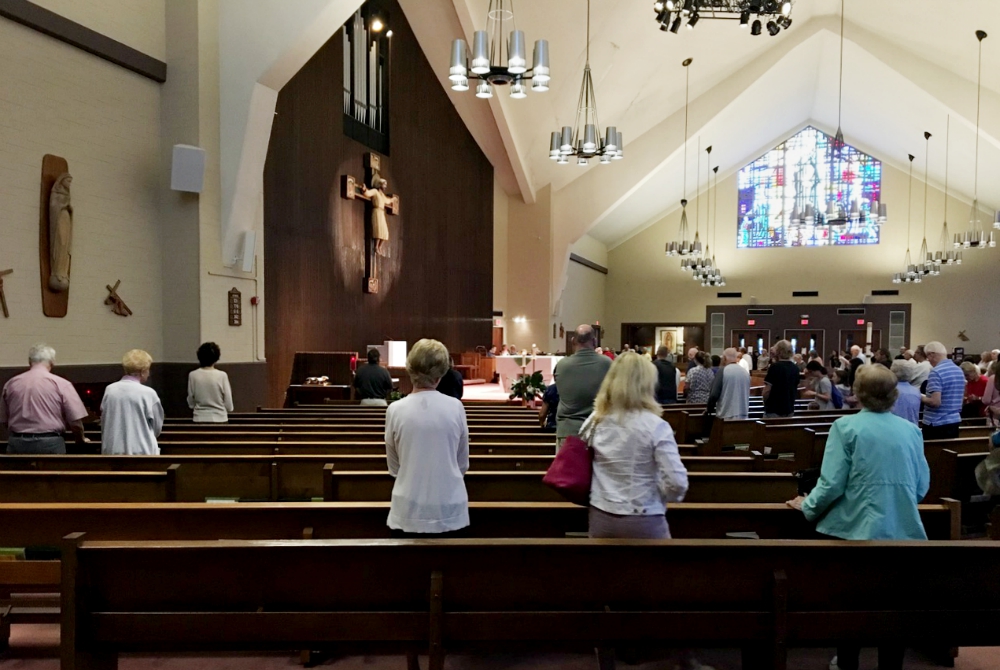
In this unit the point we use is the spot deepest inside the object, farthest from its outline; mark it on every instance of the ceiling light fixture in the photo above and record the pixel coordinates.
(975, 237)
(487, 58)
(584, 140)
(946, 256)
(713, 275)
(926, 265)
(909, 275)
(777, 15)
(682, 247)
(697, 261)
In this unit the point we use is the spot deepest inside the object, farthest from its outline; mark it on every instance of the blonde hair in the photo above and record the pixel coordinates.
(970, 368)
(136, 362)
(875, 388)
(427, 362)
(629, 385)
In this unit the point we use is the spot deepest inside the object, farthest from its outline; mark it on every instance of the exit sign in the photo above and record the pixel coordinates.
(751, 322)
(861, 322)
(804, 322)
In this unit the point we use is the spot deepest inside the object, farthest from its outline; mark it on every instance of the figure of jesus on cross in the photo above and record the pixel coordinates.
(381, 204)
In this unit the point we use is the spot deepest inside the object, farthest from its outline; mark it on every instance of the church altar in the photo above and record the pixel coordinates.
(511, 367)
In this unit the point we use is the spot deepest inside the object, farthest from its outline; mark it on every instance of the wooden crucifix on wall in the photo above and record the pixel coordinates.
(373, 189)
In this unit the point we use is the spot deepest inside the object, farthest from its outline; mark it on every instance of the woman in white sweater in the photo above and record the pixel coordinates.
(427, 449)
(209, 394)
(131, 413)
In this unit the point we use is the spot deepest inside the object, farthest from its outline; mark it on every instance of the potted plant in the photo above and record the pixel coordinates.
(527, 387)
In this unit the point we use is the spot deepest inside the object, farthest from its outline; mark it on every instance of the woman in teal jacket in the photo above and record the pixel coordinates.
(873, 476)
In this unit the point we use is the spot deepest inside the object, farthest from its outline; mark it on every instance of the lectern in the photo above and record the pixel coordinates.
(338, 366)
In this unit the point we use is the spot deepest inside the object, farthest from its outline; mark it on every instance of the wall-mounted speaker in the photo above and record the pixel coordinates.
(249, 251)
(187, 171)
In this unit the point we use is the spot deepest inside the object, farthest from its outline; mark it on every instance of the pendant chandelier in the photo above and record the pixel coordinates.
(712, 275)
(683, 247)
(584, 139)
(975, 237)
(946, 256)
(926, 265)
(671, 13)
(909, 275)
(487, 64)
(696, 262)
(839, 218)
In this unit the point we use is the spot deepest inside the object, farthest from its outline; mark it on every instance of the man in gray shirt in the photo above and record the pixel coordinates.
(579, 377)
(730, 395)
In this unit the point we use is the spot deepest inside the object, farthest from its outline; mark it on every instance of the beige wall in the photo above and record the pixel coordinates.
(106, 122)
(644, 285)
(137, 23)
(583, 298)
(529, 264)
(117, 130)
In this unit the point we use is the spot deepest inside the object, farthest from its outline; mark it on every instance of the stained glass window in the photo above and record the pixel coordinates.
(807, 191)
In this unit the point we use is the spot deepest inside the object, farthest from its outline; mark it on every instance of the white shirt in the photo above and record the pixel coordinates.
(921, 371)
(427, 448)
(209, 395)
(131, 418)
(746, 362)
(637, 467)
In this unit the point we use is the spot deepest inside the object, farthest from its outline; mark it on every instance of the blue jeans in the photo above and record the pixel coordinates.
(54, 444)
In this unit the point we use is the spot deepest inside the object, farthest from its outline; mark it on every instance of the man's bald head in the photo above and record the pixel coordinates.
(585, 337)
(691, 352)
(730, 355)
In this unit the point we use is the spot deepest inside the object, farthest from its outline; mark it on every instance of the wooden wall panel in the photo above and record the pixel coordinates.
(438, 281)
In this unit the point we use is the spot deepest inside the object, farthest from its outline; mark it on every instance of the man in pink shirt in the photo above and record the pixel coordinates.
(38, 407)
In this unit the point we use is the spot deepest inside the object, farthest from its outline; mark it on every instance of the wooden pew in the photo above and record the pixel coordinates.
(43, 524)
(288, 477)
(956, 475)
(730, 487)
(88, 486)
(27, 578)
(484, 596)
(532, 436)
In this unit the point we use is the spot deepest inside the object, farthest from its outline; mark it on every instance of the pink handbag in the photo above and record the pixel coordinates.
(571, 471)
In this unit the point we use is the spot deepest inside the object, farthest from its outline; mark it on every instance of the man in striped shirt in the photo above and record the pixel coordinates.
(943, 399)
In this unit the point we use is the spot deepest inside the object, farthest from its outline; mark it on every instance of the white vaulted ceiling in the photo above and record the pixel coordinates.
(907, 65)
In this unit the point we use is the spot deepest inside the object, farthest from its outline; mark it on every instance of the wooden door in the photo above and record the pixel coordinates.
(753, 339)
(849, 338)
(809, 339)
(498, 337)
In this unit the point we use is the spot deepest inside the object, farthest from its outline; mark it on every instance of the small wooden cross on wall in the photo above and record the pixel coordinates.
(353, 189)
(118, 305)
(3, 298)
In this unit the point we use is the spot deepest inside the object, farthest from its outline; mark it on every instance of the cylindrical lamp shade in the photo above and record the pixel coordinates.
(481, 52)
(540, 61)
(582, 161)
(554, 144)
(517, 62)
(605, 159)
(567, 140)
(996, 220)
(540, 86)
(457, 70)
(518, 90)
(484, 90)
(589, 138)
(611, 139)
(883, 211)
(461, 84)
(620, 150)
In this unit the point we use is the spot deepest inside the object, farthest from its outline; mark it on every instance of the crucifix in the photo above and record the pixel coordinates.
(3, 298)
(373, 189)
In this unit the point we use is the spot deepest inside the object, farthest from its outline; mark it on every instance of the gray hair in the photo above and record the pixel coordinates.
(935, 348)
(41, 353)
(427, 363)
(730, 354)
(903, 369)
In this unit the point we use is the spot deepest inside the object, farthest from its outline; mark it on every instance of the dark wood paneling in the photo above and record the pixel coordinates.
(49, 23)
(821, 318)
(438, 280)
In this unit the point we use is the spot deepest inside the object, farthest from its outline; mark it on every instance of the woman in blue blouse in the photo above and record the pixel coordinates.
(873, 476)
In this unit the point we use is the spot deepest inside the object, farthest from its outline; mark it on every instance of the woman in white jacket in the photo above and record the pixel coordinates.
(637, 466)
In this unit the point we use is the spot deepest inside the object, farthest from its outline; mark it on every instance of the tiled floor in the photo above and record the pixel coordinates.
(34, 648)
